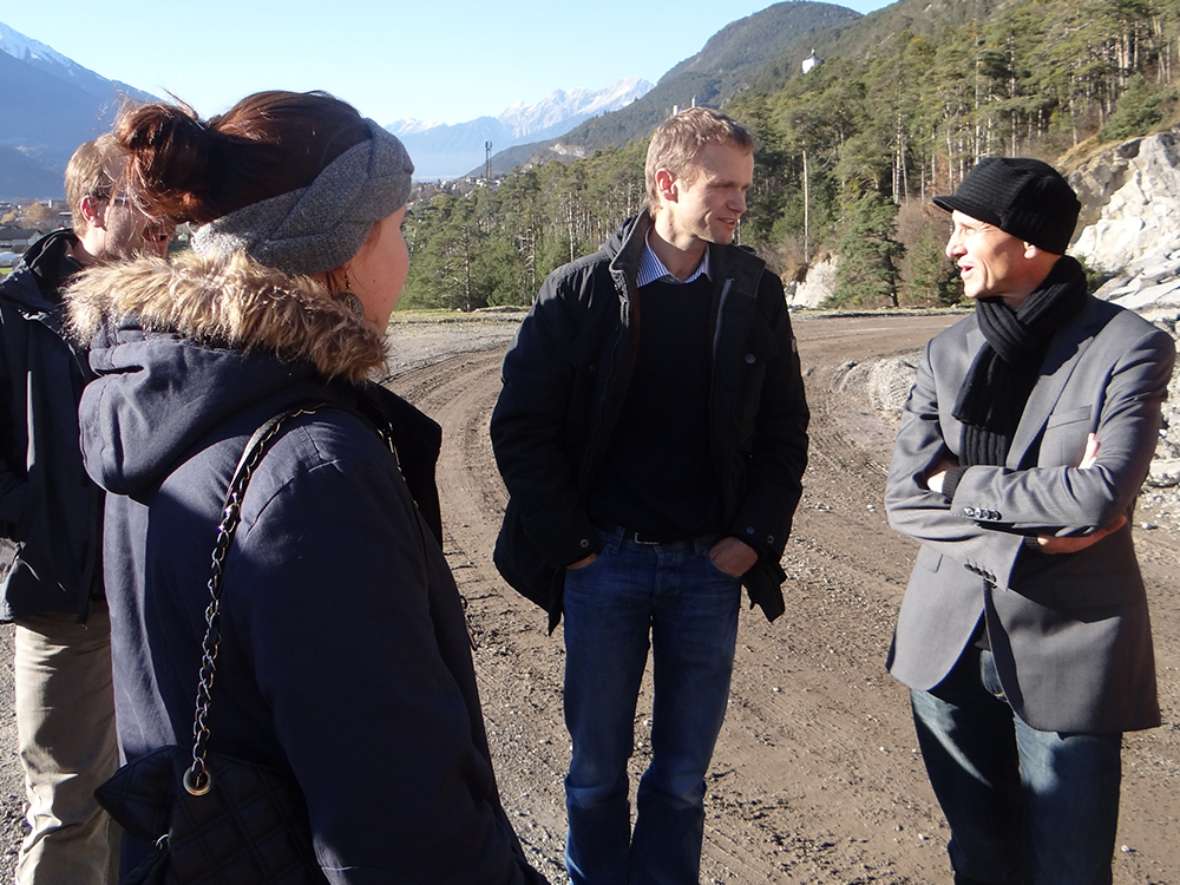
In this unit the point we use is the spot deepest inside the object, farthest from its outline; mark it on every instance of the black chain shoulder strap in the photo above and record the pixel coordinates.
(197, 779)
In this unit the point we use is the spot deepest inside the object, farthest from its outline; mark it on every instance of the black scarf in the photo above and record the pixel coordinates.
(1001, 378)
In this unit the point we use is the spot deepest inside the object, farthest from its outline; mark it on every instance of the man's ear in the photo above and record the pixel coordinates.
(92, 210)
(666, 185)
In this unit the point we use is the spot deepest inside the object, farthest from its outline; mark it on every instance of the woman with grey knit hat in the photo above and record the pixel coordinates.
(339, 647)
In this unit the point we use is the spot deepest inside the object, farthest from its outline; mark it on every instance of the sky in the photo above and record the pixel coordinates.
(438, 60)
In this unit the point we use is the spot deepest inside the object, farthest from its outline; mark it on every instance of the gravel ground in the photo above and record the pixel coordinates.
(816, 778)
(417, 340)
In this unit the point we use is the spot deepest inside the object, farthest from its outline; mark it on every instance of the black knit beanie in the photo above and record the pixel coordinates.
(1021, 196)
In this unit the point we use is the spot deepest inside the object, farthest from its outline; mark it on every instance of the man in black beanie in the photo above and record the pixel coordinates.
(1024, 634)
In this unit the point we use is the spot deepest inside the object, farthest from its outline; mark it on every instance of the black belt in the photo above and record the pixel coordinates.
(637, 537)
(647, 540)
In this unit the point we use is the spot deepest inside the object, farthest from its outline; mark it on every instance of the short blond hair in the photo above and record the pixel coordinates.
(91, 172)
(679, 140)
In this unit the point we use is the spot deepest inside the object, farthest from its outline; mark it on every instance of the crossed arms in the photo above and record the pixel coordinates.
(1066, 508)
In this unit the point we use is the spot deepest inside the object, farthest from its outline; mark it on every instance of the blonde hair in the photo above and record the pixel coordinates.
(679, 140)
(91, 172)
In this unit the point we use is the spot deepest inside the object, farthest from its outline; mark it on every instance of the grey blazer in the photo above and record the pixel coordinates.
(1070, 632)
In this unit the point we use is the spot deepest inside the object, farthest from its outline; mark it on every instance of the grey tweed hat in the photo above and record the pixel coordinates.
(318, 227)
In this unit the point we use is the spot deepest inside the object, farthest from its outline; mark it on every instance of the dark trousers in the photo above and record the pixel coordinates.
(1024, 806)
(672, 598)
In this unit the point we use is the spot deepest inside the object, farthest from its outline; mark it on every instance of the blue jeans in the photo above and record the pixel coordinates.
(674, 598)
(1024, 806)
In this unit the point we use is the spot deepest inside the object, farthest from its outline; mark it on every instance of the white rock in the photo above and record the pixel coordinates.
(818, 286)
(1159, 272)
(1161, 295)
(1118, 285)
(1130, 196)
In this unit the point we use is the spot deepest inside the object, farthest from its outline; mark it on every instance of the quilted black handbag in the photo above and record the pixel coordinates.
(215, 818)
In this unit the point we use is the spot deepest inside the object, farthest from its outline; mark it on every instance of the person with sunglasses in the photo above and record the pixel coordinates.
(51, 515)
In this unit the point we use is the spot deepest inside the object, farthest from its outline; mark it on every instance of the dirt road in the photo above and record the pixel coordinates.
(816, 777)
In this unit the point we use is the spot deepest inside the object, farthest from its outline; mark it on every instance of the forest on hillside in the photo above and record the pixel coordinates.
(848, 155)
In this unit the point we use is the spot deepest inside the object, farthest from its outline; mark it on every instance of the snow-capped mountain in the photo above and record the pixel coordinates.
(413, 126)
(24, 48)
(448, 150)
(47, 59)
(51, 105)
(561, 106)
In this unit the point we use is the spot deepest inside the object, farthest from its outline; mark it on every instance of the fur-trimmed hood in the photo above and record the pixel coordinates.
(184, 349)
(235, 302)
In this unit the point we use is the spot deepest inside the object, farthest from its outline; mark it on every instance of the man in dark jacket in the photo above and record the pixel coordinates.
(652, 435)
(52, 512)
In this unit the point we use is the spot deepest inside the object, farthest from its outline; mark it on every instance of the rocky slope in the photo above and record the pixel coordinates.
(1131, 196)
(817, 286)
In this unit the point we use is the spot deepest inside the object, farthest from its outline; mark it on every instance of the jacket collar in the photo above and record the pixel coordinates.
(626, 248)
(232, 301)
(1065, 351)
(1066, 348)
(46, 266)
(740, 264)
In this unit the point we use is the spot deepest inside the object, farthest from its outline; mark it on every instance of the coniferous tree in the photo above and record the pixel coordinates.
(840, 149)
(929, 276)
(867, 272)
(1139, 109)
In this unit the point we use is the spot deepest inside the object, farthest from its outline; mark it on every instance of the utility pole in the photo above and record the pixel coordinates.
(487, 160)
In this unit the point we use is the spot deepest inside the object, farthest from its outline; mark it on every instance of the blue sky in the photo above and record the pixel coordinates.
(435, 60)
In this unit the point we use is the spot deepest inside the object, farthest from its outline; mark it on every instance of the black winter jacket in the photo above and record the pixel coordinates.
(565, 381)
(344, 652)
(48, 506)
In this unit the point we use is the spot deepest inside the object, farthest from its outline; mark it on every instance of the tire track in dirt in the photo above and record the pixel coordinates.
(816, 776)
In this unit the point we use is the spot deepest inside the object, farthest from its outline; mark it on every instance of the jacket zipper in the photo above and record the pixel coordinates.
(720, 317)
(43, 318)
(604, 398)
(714, 440)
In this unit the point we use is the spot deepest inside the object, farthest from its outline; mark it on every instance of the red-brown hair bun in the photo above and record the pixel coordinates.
(168, 158)
(269, 143)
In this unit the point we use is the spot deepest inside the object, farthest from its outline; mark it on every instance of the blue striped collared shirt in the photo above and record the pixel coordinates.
(651, 269)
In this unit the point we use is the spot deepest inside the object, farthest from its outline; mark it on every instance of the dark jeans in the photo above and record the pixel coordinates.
(672, 596)
(1024, 806)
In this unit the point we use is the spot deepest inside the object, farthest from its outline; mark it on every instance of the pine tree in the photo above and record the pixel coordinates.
(928, 276)
(842, 149)
(867, 273)
(1140, 108)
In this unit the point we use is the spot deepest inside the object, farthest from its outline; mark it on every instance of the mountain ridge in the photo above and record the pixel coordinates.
(52, 104)
(446, 150)
(724, 65)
